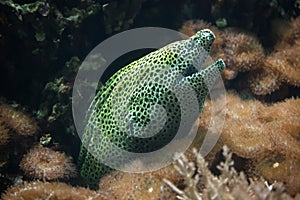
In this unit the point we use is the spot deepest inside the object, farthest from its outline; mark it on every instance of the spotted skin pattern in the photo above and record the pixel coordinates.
(139, 107)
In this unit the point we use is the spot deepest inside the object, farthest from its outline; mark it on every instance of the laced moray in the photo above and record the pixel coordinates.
(122, 110)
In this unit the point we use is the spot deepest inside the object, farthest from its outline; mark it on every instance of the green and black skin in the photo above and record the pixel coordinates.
(121, 109)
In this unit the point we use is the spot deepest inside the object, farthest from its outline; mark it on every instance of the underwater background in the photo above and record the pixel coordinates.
(43, 43)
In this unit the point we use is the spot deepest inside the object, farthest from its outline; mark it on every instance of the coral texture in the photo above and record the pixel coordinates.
(264, 81)
(127, 186)
(17, 120)
(46, 164)
(280, 168)
(282, 65)
(4, 136)
(290, 35)
(200, 183)
(254, 130)
(263, 133)
(54, 191)
(240, 51)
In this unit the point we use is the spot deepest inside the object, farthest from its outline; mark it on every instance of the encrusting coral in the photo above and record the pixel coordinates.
(53, 191)
(17, 120)
(200, 183)
(46, 164)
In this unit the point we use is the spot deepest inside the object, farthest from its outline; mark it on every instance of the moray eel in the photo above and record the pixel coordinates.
(122, 111)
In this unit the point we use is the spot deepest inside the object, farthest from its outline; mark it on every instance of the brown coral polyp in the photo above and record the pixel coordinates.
(46, 164)
(17, 120)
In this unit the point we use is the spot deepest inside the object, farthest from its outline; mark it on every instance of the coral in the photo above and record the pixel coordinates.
(17, 120)
(4, 136)
(129, 186)
(53, 191)
(264, 81)
(282, 65)
(280, 168)
(290, 35)
(266, 134)
(240, 51)
(242, 128)
(46, 164)
(254, 130)
(4, 139)
(286, 63)
(15, 125)
(200, 183)
(145, 185)
(279, 67)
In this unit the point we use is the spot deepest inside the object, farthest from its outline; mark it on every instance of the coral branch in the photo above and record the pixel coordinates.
(229, 185)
